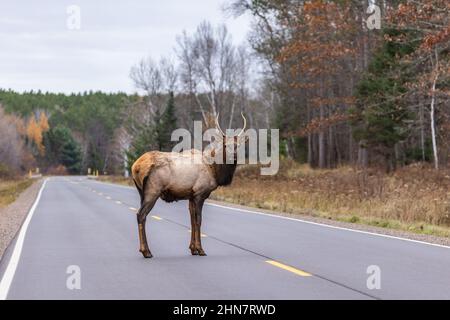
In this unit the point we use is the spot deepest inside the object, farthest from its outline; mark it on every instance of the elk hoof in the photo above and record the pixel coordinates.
(194, 251)
(147, 254)
(198, 252)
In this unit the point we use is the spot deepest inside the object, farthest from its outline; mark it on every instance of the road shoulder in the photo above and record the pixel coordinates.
(346, 225)
(12, 216)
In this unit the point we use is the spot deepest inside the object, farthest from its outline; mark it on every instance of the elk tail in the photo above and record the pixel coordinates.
(141, 192)
(141, 189)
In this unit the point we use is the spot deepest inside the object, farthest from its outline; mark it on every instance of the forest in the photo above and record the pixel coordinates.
(341, 92)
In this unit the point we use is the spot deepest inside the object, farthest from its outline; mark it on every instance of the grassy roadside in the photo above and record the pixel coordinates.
(414, 199)
(11, 189)
(414, 227)
(117, 180)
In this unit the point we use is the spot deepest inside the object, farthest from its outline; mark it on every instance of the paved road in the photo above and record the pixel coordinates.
(92, 225)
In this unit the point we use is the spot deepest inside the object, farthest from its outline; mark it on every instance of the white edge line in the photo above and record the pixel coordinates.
(8, 276)
(328, 226)
(308, 222)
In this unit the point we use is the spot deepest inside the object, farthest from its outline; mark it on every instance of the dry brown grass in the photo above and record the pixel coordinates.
(116, 179)
(415, 198)
(11, 189)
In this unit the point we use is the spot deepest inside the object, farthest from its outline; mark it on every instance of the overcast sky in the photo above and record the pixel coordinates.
(39, 51)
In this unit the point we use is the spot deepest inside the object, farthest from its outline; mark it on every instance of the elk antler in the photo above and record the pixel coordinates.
(218, 126)
(245, 125)
(221, 131)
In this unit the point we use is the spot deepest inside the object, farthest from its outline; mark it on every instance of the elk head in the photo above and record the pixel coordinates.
(230, 144)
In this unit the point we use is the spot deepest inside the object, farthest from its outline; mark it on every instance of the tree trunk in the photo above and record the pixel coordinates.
(433, 121)
(310, 150)
(322, 154)
(331, 146)
(350, 147)
(422, 132)
(363, 159)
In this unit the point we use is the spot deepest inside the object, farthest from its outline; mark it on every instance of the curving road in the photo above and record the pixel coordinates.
(80, 241)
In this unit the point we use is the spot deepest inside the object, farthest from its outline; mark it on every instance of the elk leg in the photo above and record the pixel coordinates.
(141, 219)
(192, 247)
(198, 224)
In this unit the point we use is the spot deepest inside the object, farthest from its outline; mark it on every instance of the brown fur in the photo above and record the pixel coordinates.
(143, 166)
(176, 176)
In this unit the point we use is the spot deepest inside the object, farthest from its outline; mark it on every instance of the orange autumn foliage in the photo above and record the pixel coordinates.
(35, 130)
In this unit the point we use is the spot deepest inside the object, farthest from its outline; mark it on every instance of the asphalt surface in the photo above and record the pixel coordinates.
(92, 226)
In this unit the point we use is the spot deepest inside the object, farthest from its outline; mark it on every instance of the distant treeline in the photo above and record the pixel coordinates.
(57, 132)
(61, 134)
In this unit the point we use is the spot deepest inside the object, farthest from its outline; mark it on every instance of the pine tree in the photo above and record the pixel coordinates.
(168, 124)
(71, 156)
(62, 149)
(158, 130)
(156, 136)
(381, 117)
(141, 144)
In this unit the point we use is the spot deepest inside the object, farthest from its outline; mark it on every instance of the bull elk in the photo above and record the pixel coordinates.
(174, 176)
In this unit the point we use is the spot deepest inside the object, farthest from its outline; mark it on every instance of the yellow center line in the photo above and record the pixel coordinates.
(289, 268)
(157, 218)
(133, 209)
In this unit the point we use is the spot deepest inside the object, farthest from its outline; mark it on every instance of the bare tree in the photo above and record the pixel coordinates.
(433, 112)
(241, 83)
(155, 79)
(208, 68)
(11, 150)
(146, 76)
(169, 74)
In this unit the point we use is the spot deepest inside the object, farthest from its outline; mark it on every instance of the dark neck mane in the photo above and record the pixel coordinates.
(223, 173)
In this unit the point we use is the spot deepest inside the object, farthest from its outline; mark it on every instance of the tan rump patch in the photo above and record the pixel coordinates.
(142, 167)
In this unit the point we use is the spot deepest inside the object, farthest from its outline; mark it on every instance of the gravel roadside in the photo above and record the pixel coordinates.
(340, 224)
(12, 216)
